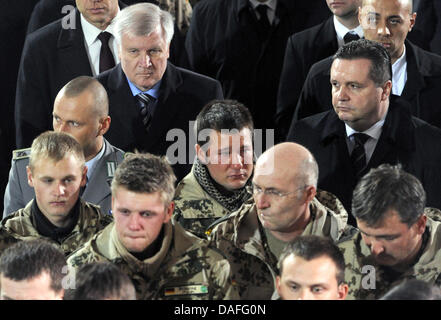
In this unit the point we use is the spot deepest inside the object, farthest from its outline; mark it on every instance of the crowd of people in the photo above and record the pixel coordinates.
(225, 150)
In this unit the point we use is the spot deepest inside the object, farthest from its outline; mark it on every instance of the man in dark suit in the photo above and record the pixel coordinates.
(47, 11)
(416, 73)
(14, 17)
(367, 127)
(309, 46)
(54, 55)
(81, 109)
(151, 101)
(242, 43)
(427, 30)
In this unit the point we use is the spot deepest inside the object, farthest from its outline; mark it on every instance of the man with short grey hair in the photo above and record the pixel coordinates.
(148, 95)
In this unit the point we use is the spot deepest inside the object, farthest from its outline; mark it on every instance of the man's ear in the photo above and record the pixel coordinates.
(310, 193)
(84, 176)
(412, 21)
(169, 212)
(387, 89)
(342, 291)
(421, 224)
(104, 125)
(29, 175)
(278, 285)
(200, 153)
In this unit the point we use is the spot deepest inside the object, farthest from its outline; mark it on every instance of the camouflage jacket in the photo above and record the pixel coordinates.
(195, 209)
(241, 238)
(181, 11)
(20, 226)
(366, 280)
(184, 268)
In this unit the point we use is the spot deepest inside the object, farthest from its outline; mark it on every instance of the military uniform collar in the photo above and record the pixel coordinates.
(45, 228)
(149, 266)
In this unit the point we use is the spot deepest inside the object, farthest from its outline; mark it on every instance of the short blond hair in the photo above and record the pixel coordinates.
(55, 146)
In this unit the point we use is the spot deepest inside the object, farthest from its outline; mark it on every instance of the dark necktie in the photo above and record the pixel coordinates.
(145, 104)
(106, 57)
(264, 24)
(263, 20)
(358, 155)
(350, 37)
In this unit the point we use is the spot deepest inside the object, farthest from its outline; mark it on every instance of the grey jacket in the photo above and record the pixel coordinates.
(18, 192)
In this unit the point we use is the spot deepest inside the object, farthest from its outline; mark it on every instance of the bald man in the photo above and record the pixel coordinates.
(81, 109)
(416, 74)
(285, 205)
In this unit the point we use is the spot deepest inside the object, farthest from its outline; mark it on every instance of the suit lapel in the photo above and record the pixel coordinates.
(334, 132)
(397, 139)
(124, 111)
(72, 49)
(415, 80)
(328, 38)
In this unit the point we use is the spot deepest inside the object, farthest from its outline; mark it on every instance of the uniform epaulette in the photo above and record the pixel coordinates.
(126, 154)
(21, 154)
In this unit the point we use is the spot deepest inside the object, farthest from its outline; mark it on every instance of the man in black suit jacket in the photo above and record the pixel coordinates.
(232, 42)
(151, 101)
(427, 30)
(52, 56)
(47, 11)
(309, 46)
(361, 86)
(416, 73)
(14, 17)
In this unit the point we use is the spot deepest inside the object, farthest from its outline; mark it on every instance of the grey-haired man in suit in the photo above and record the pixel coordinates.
(81, 109)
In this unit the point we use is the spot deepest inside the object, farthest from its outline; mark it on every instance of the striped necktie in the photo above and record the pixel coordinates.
(358, 155)
(145, 104)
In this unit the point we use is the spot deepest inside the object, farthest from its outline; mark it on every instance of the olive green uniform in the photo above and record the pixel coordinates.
(195, 209)
(183, 268)
(242, 239)
(367, 280)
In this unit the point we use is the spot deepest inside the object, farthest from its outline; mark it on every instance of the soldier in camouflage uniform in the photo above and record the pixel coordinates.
(216, 185)
(286, 205)
(162, 260)
(398, 239)
(57, 172)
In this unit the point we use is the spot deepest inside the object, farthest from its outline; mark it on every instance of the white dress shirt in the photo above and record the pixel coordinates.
(399, 74)
(93, 44)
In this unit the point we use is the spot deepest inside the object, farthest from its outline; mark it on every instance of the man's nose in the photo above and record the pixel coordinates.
(145, 60)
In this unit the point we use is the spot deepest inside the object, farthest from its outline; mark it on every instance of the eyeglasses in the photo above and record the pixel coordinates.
(271, 193)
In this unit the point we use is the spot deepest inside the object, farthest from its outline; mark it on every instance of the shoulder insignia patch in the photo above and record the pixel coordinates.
(111, 167)
(21, 154)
